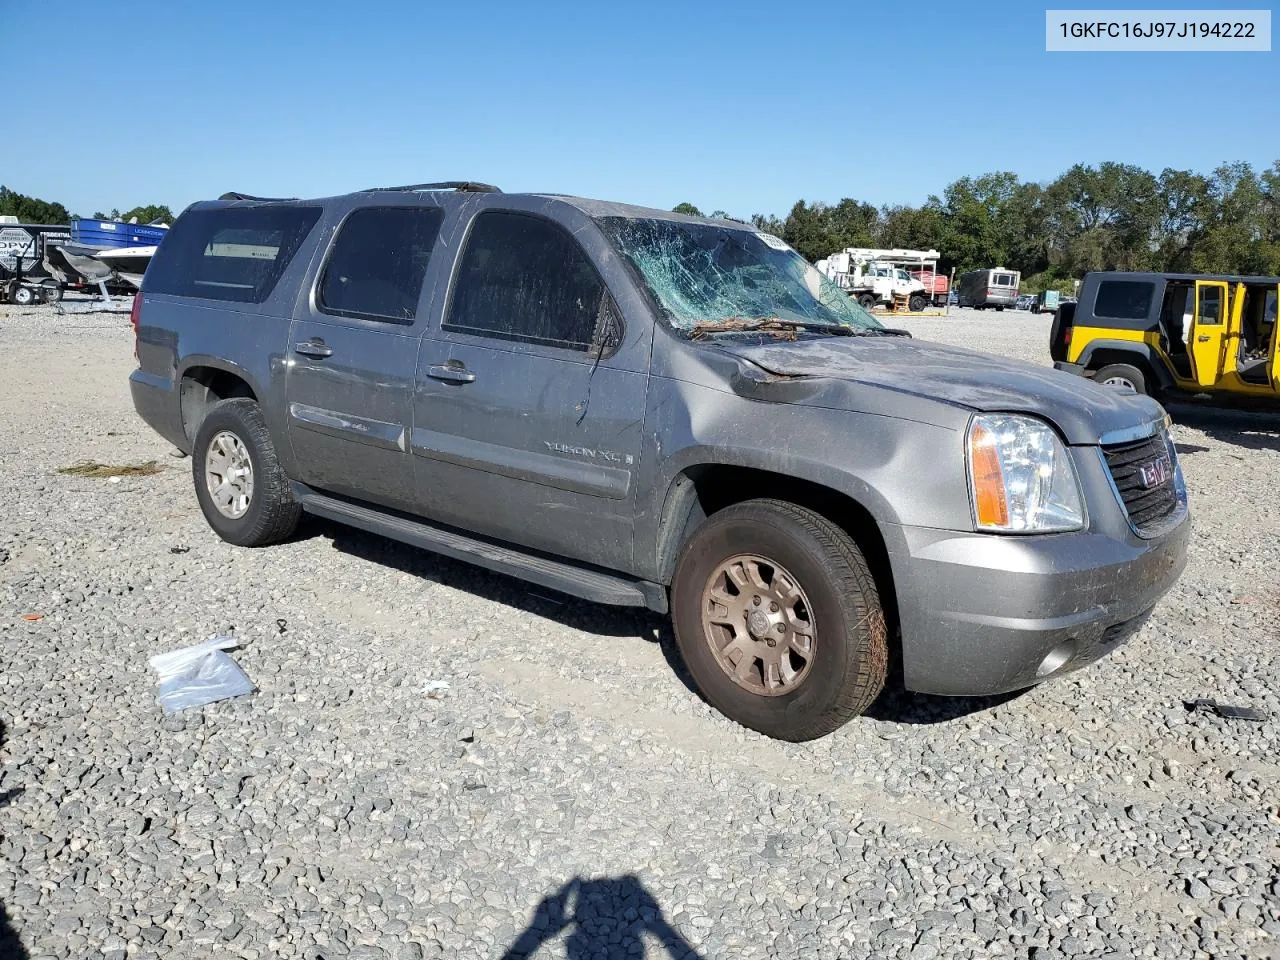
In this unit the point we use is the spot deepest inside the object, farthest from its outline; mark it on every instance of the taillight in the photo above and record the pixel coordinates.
(1066, 335)
(135, 316)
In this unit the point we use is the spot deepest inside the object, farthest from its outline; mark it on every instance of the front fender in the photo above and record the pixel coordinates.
(899, 471)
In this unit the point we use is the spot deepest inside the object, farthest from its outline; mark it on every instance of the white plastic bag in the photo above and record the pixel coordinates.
(200, 674)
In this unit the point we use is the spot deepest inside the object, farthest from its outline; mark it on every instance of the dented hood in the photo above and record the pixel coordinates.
(1081, 409)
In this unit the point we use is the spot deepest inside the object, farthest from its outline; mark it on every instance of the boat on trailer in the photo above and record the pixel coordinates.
(129, 263)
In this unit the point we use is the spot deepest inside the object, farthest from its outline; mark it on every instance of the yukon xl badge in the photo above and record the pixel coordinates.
(1155, 472)
(565, 449)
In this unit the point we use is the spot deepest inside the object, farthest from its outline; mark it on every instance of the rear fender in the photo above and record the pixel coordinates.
(1099, 353)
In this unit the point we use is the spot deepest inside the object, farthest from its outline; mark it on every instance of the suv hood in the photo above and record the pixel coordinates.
(1081, 409)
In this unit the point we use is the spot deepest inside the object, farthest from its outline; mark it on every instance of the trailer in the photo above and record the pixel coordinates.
(25, 276)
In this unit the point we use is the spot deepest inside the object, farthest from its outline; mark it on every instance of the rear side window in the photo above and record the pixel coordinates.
(1003, 279)
(378, 263)
(525, 278)
(1123, 299)
(230, 253)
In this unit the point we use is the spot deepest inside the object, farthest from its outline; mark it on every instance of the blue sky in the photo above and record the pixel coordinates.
(740, 106)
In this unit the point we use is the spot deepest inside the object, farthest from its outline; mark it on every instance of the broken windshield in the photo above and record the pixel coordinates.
(704, 275)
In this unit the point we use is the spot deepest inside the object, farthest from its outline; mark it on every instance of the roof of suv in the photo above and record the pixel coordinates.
(467, 190)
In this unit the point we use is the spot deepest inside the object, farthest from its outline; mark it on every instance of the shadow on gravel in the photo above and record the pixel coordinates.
(530, 598)
(1252, 430)
(608, 918)
(897, 705)
(11, 947)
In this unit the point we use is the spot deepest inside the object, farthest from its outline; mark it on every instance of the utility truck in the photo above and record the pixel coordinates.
(874, 277)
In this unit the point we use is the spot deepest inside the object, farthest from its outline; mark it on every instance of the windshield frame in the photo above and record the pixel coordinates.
(831, 301)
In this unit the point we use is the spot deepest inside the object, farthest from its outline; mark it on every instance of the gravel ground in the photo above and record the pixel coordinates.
(567, 794)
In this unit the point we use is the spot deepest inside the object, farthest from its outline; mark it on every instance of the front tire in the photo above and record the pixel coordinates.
(866, 301)
(243, 492)
(778, 620)
(916, 304)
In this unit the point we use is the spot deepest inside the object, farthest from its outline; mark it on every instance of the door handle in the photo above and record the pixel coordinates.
(452, 372)
(1203, 338)
(313, 348)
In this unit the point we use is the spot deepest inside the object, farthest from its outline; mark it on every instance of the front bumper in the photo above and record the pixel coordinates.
(984, 614)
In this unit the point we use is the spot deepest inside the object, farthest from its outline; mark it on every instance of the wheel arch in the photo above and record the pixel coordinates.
(1100, 353)
(206, 382)
(700, 490)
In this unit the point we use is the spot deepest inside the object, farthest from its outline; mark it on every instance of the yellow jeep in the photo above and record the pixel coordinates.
(1166, 334)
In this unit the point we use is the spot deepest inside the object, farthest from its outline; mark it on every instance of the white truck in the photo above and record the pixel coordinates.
(875, 276)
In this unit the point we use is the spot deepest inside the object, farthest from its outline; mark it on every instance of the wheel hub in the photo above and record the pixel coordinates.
(759, 625)
(228, 474)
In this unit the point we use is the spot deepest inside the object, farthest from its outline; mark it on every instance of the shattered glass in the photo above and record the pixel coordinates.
(705, 275)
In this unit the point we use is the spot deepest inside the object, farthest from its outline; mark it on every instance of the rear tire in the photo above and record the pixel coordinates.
(816, 592)
(916, 304)
(51, 292)
(249, 510)
(22, 297)
(1122, 374)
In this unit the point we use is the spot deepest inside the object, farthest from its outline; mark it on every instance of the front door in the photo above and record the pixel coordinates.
(530, 401)
(1207, 331)
(353, 350)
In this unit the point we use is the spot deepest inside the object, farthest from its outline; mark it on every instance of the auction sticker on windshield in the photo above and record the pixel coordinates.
(777, 243)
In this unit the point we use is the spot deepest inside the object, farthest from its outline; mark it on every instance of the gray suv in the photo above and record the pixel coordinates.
(642, 408)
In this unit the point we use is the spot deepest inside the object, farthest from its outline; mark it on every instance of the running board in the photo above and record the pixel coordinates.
(594, 585)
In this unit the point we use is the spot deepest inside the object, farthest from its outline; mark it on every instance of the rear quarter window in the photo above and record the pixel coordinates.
(1124, 299)
(235, 253)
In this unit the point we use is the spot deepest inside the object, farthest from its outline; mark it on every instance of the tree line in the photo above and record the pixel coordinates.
(33, 210)
(1113, 216)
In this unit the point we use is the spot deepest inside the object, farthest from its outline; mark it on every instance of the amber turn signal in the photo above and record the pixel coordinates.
(989, 498)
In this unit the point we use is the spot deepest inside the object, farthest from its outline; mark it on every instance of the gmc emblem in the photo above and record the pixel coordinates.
(1155, 472)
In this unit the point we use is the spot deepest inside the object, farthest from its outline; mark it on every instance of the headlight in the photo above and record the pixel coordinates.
(1020, 477)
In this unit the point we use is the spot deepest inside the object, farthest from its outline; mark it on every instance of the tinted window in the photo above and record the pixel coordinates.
(1123, 299)
(1003, 279)
(232, 253)
(525, 278)
(378, 263)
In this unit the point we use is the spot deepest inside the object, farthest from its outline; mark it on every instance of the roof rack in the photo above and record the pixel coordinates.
(234, 195)
(463, 186)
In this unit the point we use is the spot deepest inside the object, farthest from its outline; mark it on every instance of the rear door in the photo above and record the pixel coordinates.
(1208, 330)
(1270, 310)
(528, 415)
(353, 347)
